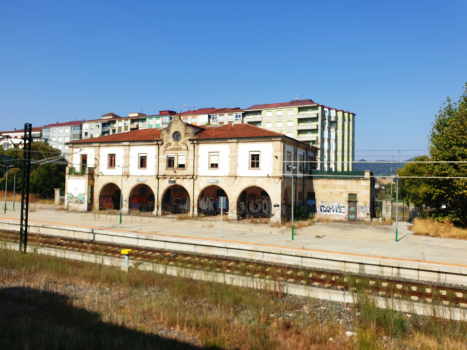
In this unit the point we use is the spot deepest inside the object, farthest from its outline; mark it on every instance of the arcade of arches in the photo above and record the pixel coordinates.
(109, 197)
(208, 201)
(254, 201)
(142, 198)
(175, 200)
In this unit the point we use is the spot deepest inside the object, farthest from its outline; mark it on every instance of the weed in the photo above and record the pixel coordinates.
(446, 229)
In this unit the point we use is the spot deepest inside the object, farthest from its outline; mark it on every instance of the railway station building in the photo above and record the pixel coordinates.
(186, 168)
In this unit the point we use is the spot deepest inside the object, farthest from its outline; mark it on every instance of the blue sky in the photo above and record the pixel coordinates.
(392, 63)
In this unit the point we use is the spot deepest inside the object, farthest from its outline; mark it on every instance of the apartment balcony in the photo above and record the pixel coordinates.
(307, 127)
(80, 171)
(307, 115)
(105, 127)
(253, 119)
(307, 138)
(332, 119)
(134, 126)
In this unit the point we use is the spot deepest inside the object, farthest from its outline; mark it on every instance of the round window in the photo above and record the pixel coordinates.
(176, 136)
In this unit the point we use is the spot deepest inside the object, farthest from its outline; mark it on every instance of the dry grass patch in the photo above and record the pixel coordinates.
(300, 224)
(428, 227)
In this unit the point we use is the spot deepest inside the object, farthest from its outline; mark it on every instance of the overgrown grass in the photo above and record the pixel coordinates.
(32, 198)
(53, 303)
(428, 227)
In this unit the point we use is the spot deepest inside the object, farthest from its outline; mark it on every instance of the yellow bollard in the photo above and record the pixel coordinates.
(126, 263)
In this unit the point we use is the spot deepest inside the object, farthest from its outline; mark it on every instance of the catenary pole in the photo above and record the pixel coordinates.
(397, 207)
(14, 189)
(121, 199)
(6, 188)
(292, 204)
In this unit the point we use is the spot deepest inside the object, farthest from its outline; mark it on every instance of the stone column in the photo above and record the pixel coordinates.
(387, 209)
(57, 196)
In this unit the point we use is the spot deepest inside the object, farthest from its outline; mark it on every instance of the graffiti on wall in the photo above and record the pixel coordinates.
(79, 199)
(106, 202)
(209, 203)
(363, 210)
(76, 190)
(332, 209)
(255, 205)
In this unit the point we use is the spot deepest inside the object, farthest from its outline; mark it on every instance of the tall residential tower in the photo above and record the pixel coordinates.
(331, 130)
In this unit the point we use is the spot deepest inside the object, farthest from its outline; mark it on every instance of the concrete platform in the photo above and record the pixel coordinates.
(349, 247)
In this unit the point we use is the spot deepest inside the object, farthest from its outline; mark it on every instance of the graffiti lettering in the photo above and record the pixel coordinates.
(335, 209)
(261, 205)
(206, 203)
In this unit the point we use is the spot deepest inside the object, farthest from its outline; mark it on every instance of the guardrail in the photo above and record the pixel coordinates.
(377, 266)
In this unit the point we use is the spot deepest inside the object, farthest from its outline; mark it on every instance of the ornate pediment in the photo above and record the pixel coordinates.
(176, 136)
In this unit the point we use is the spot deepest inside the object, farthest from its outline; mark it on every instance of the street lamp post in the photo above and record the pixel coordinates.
(292, 168)
(6, 185)
(14, 189)
(121, 194)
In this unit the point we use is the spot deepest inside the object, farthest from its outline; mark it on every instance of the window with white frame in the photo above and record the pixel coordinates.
(238, 117)
(278, 124)
(231, 117)
(181, 161)
(268, 113)
(289, 159)
(221, 118)
(289, 122)
(289, 134)
(213, 160)
(214, 119)
(60, 130)
(290, 112)
(332, 135)
(67, 138)
(268, 125)
(67, 130)
(54, 139)
(60, 139)
(54, 131)
(194, 119)
(91, 127)
(279, 113)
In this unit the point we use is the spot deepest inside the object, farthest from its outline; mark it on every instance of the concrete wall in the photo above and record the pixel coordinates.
(332, 197)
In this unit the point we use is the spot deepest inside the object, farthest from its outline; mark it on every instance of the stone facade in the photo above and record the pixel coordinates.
(179, 170)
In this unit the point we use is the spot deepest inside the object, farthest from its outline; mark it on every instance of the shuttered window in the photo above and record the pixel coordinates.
(214, 160)
(181, 161)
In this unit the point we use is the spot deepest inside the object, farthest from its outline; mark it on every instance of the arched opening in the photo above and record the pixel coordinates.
(109, 197)
(208, 201)
(254, 201)
(175, 200)
(142, 198)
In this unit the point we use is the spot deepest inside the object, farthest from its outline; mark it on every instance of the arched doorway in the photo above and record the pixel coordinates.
(109, 197)
(208, 201)
(254, 201)
(175, 200)
(142, 198)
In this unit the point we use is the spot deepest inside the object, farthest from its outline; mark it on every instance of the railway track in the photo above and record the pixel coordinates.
(430, 293)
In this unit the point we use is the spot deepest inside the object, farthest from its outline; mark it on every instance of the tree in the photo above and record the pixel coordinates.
(448, 142)
(46, 178)
(416, 191)
(42, 182)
